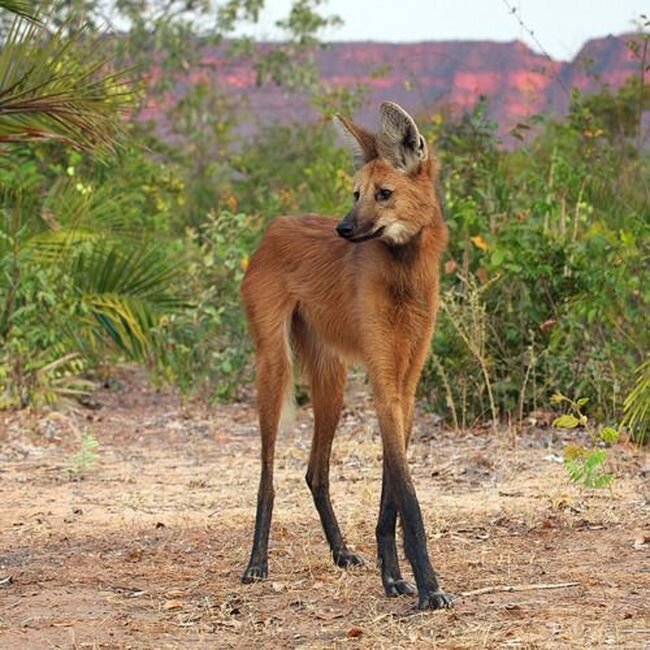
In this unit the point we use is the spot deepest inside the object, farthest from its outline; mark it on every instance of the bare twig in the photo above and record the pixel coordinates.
(517, 15)
(644, 58)
(5, 582)
(508, 588)
(450, 396)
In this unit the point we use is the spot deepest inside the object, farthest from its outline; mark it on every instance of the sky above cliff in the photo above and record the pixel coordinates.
(560, 26)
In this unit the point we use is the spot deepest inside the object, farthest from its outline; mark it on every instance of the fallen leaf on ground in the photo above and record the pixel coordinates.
(331, 615)
(641, 540)
(174, 604)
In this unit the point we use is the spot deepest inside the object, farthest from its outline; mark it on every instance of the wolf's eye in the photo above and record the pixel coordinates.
(383, 194)
(356, 196)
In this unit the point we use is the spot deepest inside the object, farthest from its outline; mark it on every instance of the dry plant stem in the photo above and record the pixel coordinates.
(450, 397)
(488, 385)
(522, 392)
(499, 588)
(474, 337)
(644, 58)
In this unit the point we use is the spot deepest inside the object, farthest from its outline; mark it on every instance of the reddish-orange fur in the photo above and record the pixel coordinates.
(327, 301)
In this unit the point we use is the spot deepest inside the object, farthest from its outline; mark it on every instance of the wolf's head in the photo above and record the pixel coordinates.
(394, 182)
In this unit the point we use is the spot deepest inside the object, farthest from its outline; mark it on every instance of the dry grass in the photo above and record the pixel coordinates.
(146, 550)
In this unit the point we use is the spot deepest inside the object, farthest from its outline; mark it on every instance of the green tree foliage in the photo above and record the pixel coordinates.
(554, 236)
(141, 257)
(98, 262)
(84, 271)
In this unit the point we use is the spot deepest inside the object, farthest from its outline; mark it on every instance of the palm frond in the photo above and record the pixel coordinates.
(135, 271)
(125, 294)
(70, 204)
(128, 322)
(637, 404)
(72, 216)
(55, 245)
(54, 86)
(27, 9)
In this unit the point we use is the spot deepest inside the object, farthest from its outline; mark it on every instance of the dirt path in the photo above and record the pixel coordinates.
(146, 550)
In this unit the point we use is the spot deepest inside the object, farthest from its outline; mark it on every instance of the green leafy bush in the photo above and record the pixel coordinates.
(550, 241)
(208, 346)
(583, 464)
(141, 258)
(83, 282)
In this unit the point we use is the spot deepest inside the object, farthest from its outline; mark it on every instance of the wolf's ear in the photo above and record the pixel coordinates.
(361, 143)
(399, 141)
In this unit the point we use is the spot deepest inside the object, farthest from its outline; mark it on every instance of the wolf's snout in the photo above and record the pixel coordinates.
(344, 229)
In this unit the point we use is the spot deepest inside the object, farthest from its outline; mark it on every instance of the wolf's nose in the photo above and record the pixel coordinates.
(344, 229)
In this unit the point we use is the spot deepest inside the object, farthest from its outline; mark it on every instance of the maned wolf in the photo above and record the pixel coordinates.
(362, 290)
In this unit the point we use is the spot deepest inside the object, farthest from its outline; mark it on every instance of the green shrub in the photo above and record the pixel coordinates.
(550, 241)
(542, 285)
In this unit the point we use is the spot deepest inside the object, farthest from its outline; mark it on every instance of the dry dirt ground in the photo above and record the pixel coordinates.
(146, 549)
